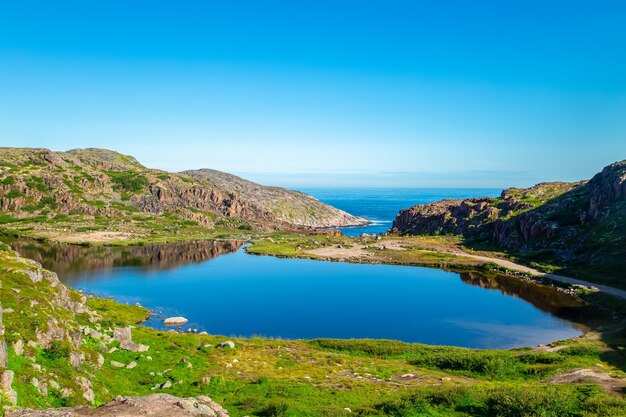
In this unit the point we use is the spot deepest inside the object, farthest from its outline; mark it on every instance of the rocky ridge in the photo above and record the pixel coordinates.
(582, 224)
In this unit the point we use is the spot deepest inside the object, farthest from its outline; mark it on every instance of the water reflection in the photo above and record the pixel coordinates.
(69, 261)
(545, 298)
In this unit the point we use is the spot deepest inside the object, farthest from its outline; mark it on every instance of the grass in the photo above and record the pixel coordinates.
(128, 181)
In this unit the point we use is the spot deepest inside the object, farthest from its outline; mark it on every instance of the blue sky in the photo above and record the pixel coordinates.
(309, 93)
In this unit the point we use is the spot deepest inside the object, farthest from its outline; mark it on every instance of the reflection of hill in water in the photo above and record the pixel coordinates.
(71, 260)
(545, 298)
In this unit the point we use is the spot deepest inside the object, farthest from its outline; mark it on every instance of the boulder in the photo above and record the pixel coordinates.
(228, 343)
(124, 336)
(175, 321)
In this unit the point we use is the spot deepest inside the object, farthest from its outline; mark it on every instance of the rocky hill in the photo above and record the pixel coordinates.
(39, 185)
(578, 227)
(291, 207)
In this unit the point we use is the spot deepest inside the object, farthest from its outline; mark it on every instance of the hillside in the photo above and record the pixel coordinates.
(578, 228)
(112, 196)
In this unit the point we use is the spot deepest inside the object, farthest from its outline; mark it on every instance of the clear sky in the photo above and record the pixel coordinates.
(351, 93)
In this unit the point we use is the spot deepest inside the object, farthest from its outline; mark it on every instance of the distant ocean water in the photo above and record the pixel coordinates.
(380, 205)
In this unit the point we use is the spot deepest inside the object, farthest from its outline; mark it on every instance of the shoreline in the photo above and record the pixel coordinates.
(484, 267)
(575, 287)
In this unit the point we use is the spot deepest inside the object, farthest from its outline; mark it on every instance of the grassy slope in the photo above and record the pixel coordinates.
(299, 378)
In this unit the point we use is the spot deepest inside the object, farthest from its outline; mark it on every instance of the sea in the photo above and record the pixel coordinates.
(381, 205)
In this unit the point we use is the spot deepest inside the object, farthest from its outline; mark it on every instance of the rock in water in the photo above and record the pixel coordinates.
(175, 321)
(156, 405)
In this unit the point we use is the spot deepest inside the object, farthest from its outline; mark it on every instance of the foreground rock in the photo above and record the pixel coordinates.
(156, 405)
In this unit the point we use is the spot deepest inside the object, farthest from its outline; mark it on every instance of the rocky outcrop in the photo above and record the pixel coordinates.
(98, 182)
(582, 223)
(156, 405)
(44, 317)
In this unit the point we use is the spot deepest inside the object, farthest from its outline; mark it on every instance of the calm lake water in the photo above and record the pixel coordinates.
(223, 290)
(380, 205)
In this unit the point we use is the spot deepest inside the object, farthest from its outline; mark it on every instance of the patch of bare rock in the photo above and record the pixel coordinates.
(155, 405)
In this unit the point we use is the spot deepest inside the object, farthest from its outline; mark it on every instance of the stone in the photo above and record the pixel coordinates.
(4, 354)
(85, 386)
(124, 336)
(100, 360)
(41, 386)
(131, 365)
(228, 343)
(175, 321)
(18, 347)
(76, 359)
(6, 385)
(117, 364)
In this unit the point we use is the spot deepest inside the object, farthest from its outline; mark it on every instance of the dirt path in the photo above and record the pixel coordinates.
(359, 251)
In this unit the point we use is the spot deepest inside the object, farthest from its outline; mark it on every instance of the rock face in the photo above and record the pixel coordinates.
(156, 405)
(581, 223)
(287, 206)
(102, 183)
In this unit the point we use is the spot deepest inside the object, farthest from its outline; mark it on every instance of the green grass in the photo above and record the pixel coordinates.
(129, 181)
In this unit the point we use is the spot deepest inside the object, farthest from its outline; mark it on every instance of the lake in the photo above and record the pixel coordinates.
(223, 290)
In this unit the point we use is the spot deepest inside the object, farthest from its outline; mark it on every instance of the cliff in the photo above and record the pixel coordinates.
(37, 185)
(580, 227)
